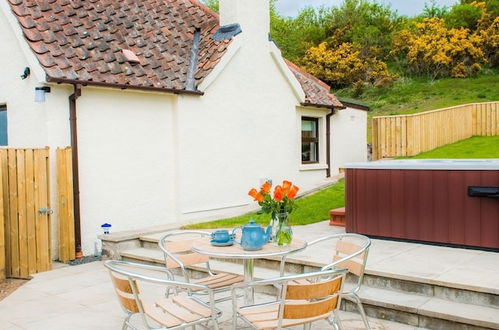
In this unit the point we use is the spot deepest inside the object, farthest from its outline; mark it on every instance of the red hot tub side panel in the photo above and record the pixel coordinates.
(424, 205)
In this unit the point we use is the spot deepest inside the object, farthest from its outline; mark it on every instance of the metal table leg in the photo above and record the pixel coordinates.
(249, 295)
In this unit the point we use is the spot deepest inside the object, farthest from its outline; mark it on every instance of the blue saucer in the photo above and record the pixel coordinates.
(216, 243)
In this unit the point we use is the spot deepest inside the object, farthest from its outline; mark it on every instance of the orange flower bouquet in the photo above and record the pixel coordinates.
(279, 205)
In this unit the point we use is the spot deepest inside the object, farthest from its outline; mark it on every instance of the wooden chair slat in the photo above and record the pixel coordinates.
(348, 248)
(192, 305)
(170, 307)
(179, 246)
(258, 309)
(353, 266)
(309, 309)
(158, 315)
(270, 316)
(220, 280)
(286, 323)
(121, 284)
(128, 302)
(313, 290)
(187, 259)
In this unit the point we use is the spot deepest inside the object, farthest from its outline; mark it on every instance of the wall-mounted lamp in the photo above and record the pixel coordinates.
(40, 93)
(26, 73)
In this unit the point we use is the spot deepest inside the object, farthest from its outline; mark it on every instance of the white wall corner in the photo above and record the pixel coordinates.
(290, 77)
(34, 65)
(232, 50)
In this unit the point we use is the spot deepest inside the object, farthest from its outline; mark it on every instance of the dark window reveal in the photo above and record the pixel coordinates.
(309, 140)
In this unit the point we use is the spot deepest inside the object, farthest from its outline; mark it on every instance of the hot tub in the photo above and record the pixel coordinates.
(452, 202)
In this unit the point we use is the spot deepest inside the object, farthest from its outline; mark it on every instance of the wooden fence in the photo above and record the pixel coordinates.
(65, 205)
(409, 135)
(26, 211)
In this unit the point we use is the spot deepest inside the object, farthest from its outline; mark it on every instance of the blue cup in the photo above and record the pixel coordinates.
(222, 236)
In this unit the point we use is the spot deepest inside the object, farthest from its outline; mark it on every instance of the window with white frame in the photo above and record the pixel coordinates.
(309, 140)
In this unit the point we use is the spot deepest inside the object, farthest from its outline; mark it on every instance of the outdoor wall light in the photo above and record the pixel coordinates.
(26, 73)
(40, 93)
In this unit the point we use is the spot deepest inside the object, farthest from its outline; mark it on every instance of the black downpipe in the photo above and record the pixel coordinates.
(328, 143)
(76, 178)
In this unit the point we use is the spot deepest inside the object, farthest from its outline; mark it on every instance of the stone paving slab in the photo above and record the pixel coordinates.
(84, 299)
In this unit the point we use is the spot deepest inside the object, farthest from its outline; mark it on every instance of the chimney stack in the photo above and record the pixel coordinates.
(252, 15)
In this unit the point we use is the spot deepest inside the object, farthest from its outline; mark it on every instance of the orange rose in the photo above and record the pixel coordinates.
(286, 185)
(256, 195)
(278, 193)
(265, 187)
(292, 193)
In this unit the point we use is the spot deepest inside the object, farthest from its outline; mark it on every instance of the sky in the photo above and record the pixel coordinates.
(404, 7)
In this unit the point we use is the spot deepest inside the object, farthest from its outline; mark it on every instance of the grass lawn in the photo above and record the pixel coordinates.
(474, 147)
(409, 95)
(309, 209)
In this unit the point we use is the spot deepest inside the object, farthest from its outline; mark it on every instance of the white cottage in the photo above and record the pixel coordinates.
(172, 110)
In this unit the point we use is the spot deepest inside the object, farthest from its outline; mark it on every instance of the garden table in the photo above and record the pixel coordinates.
(235, 251)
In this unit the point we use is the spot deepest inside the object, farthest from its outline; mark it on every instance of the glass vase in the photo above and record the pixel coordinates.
(282, 234)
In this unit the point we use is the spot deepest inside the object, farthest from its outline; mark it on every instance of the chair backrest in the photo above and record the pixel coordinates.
(177, 248)
(350, 252)
(125, 276)
(305, 300)
(355, 263)
(124, 288)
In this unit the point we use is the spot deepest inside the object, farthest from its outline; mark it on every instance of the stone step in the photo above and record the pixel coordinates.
(423, 311)
(418, 309)
(455, 292)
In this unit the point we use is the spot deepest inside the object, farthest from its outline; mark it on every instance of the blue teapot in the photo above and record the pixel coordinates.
(254, 236)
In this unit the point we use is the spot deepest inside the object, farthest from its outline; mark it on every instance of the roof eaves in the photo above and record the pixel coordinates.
(324, 106)
(354, 104)
(122, 86)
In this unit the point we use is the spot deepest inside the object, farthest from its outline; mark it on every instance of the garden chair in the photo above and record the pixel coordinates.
(297, 303)
(177, 249)
(351, 253)
(176, 312)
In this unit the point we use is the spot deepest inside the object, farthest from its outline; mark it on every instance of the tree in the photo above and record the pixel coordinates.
(344, 65)
(369, 24)
(433, 50)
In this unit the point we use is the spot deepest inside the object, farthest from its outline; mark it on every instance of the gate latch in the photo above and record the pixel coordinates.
(45, 210)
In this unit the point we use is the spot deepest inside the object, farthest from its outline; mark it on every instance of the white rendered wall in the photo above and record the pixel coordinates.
(348, 137)
(245, 128)
(126, 157)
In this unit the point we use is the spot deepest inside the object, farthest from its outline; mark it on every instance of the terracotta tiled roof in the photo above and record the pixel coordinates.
(83, 40)
(317, 92)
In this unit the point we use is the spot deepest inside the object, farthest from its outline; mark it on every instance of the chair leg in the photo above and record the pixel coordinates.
(361, 310)
(335, 320)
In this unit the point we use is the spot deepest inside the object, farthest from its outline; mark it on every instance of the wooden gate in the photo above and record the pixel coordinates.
(26, 211)
(65, 212)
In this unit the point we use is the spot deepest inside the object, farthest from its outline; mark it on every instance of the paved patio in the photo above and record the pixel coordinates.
(82, 297)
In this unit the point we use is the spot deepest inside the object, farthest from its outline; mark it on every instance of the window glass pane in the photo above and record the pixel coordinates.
(309, 128)
(3, 126)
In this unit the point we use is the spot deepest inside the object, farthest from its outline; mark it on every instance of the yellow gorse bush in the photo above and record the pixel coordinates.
(437, 51)
(343, 65)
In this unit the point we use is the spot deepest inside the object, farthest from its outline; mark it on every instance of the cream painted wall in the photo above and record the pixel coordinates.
(126, 153)
(348, 137)
(245, 128)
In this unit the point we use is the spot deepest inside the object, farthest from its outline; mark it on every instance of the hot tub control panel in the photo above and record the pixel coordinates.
(476, 191)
